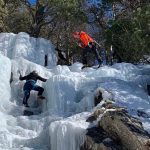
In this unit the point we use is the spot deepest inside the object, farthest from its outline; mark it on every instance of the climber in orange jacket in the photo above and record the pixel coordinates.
(88, 45)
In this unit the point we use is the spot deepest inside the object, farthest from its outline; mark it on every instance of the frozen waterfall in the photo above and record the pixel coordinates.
(59, 122)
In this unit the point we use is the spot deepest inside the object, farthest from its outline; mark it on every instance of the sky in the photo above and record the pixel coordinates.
(91, 1)
(32, 1)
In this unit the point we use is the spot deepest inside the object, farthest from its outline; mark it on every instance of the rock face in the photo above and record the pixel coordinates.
(128, 131)
(97, 139)
(27, 113)
(116, 131)
(95, 115)
(102, 95)
(98, 98)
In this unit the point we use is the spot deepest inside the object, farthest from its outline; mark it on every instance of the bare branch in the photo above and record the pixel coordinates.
(45, 23)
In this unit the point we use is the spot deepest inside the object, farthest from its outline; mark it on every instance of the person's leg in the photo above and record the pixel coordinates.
(86, 51)
(84, 56)
(40, 90)
(27, 88)
(26, 97)
(99, 59)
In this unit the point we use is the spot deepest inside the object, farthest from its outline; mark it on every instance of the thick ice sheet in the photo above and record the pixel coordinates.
(32, 49)
(69, 93)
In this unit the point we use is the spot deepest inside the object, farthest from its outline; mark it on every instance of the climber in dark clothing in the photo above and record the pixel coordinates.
(30, 84)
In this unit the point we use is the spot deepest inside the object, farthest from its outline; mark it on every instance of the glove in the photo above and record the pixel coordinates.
(20, 77)
(79, 44)
(90, 44)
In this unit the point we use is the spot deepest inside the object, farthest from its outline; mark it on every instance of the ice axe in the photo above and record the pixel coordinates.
(97, 43)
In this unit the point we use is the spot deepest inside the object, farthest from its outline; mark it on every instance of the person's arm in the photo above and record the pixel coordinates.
(89, 38)
(42, 79)
(23, 78)
(80, 44)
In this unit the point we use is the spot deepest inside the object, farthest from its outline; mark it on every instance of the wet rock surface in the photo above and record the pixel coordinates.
(97, 139)
(116, 129)
(125, 129)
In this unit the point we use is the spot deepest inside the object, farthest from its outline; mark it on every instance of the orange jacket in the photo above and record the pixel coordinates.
(85, 39)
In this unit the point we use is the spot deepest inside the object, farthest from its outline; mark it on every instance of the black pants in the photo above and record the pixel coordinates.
(28, 87)
(87, 50)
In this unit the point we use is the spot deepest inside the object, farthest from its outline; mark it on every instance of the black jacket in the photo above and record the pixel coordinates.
(32, 76)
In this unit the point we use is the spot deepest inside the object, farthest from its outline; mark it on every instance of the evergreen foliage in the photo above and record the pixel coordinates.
(125, 25)
(122, 24)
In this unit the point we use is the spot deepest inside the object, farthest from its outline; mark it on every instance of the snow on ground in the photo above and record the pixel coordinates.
(69, 93)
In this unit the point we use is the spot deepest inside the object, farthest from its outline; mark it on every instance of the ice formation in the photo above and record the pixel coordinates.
(69, 93)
